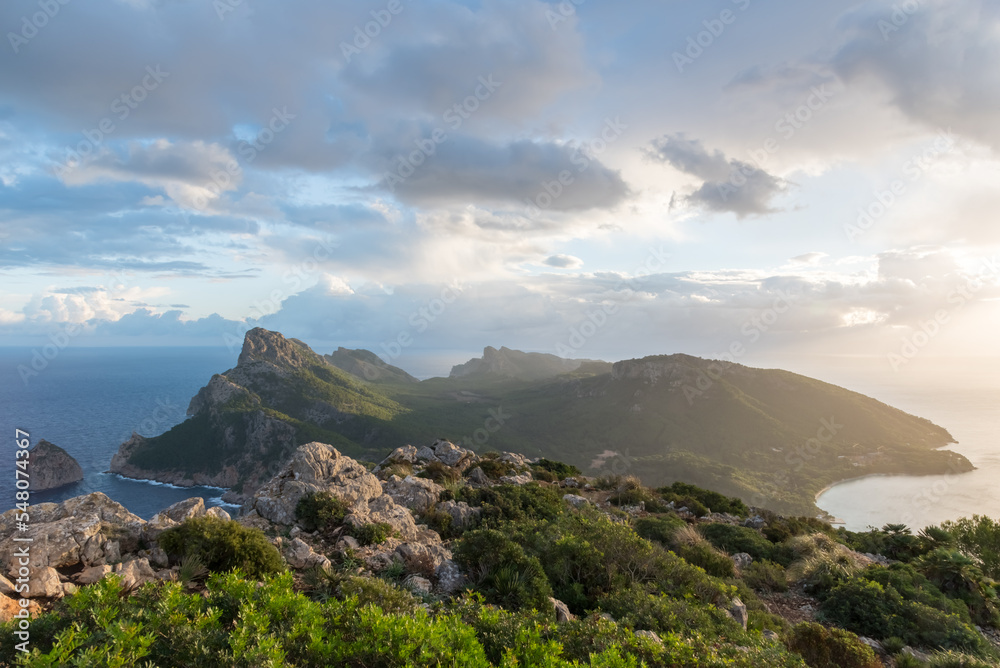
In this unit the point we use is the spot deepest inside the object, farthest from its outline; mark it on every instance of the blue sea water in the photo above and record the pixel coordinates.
(89, 400)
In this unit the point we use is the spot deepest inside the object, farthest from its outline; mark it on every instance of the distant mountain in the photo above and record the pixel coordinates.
(771, 437)
(366, 365)
(514, 364)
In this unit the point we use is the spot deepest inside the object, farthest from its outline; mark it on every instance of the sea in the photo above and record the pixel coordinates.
(89, 400)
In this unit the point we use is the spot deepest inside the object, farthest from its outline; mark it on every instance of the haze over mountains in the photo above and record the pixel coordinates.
(772, 437)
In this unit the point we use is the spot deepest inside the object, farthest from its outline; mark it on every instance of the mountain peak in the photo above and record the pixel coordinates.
(266, 346)
(515, 364)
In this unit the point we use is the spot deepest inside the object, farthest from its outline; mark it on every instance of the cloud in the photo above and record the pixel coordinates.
(564, 261)
(728, 185)
(932, 58)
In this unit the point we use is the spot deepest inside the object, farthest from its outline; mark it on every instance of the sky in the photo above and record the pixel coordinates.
(726, 178)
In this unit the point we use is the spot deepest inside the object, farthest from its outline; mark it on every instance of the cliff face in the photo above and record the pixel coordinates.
(49, 466)
(246, 422)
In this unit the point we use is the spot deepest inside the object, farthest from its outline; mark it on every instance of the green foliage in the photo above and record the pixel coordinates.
(440, 473)
(320, 510)
(222, 545)
(831, 648)
(560, 470)
(659, 528)
(502, 571)
(779, 529)
(192, 570)
(867, 608)
(707, 557)
(734, 539)
(682, 493)
(978, 537)
(494, 468)
(372, 534)
(765, 576)
(515, 503)
(957, 660)
(379, 592)
(638, 608)
(957, 576)
(894, 541)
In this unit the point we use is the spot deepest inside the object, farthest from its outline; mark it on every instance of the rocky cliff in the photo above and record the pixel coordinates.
(49, 466)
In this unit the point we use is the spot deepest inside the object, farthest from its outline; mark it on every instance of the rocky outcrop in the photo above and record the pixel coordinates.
(417, 494)
(49, 466)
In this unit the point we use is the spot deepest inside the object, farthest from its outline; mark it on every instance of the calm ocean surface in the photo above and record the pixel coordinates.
(89, 400)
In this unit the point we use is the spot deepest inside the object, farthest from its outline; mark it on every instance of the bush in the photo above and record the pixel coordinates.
(440, 473)
(869, 609)
(661, 529)
(502, 571)
(372, 534)
(765, 576)
(639, 609)
(779, 529)
(831, 648)
(516, 503)
(375, 591)
(978, 537)
(735, 539)
(320, 510)
(222, 545)
(707, 557)
(560, 470)
(717, 503)
(494, 468)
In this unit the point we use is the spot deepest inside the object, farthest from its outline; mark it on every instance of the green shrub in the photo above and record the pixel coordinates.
(639, 609)
(222, 545)
(957, 660)
(630, 497)
(440, 473)
(779, 529)
(660, 529)
(320, 510)
(715, 502)
(831, 648)
(735, 539)
(869, 609)
(958, 577)
(765, 576)
(502, 571)
(494, 468)
(516, 503)
(707, 557)
(560, 470)
(372, 534)
(978, 537)
(376, 591)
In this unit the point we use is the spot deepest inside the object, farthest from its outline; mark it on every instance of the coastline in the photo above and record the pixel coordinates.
(846, 480)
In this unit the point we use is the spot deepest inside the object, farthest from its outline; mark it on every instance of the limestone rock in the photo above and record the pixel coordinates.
(770, 635)
(7, 587)
(452, 455)
(449, 576)
(348, 543)
(405, 454)
(521, 479)
(576, 500)
(417, 494)
(478, 477)
(314, 467)
(92, 574)
(738, 611)
(418, 584)
(10, 607)
(425, 454)
(44, 583)
(741, 560)
(181, 511)
(217, 511)
(463, 516)
(300, 555)
(49, 466)
(570, 482)
(135, 572)
(515, 458)
(72, 532)
(562, 610)
(384, 510)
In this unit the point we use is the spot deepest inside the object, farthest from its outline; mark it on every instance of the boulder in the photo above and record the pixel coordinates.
(300, 555)
(92, 574)
(180, 511)
(383, 509)
(417, 494)
(562, 610)
(418, 584)
(478, 477)
(10, 607)
(406, 454)
(449, 577)
(348, 543)
(75, 531)
(755, 522)
(463, 516)
(44, 583)
(314, 467)
(738, 611)
(741, 560)
(515, 458)
(570, 482)
(217, 511)
(575, 500)
(135, 572)
(521, 479)
(452, 455)
(50, 466)
(425, 454)
(768, 634)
